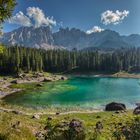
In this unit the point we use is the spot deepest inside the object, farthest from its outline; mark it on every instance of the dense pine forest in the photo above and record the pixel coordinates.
(21, 59)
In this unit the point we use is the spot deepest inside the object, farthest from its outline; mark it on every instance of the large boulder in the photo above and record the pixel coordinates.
(136, 110)
(115, 106)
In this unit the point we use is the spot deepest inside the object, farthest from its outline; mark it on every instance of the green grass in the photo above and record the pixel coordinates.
(21, 132)
(29, 126)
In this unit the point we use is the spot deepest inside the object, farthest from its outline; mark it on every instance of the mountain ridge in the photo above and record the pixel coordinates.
(43, 37)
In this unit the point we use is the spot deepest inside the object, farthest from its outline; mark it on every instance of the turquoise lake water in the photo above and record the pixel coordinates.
(85, 92)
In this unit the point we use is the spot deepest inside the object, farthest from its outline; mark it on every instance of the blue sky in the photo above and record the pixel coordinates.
(82, 14)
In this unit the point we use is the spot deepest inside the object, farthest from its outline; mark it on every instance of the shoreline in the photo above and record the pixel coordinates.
(2, 109)
(6, 90)
(112, 75)
(5, 83)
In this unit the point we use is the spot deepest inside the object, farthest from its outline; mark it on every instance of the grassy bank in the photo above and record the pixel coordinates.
(15, 126)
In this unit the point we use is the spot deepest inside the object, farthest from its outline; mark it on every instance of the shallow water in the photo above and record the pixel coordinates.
(85, 92)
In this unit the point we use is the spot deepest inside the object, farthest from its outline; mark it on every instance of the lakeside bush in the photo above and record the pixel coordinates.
(3, 137)
(73, 130)
(129, 131)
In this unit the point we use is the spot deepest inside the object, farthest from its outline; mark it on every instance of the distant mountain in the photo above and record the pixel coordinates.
(71, 38)
(68, 38)
(107, 39)
(30, 37)
(133, 39)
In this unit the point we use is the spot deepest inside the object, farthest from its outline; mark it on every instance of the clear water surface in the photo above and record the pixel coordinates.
(85, 92)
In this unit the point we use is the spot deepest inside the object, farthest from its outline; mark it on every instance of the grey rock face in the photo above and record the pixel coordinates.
(30, 37)
(43, 37)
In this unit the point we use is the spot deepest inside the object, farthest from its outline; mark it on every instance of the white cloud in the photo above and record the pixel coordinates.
(39, 17)
(110, 17)
(20, 19)
(94, 30)
(34, 17)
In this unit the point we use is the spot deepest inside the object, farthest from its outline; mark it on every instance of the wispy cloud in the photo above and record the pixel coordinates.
(33, 17)
(94, 30)
(110, 17)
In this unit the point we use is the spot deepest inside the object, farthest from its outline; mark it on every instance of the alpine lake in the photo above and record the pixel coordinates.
(90, 92)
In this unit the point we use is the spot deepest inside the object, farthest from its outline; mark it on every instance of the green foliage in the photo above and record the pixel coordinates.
(30, 59)
(6, 8)
(130, 131)
(65, 130)
(3, 137)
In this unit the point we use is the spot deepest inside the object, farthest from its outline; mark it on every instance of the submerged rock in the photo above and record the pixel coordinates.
(115, 106)
(39, 85)
(136, 110)
(62, 78)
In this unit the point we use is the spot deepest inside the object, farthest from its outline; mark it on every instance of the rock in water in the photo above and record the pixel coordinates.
(136, 110)
(62, 78)
(39, 85)
(115, 106)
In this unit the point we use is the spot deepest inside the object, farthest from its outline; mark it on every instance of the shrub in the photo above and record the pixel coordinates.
(130, 131)
(3, 137)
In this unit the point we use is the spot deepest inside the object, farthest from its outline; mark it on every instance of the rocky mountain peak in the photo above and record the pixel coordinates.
(43, 37)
